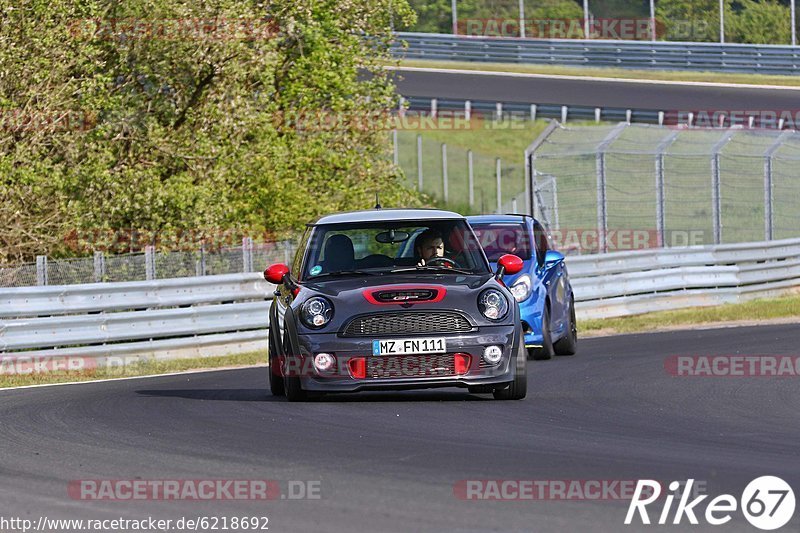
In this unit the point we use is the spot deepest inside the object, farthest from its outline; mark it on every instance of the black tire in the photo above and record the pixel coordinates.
(294, 390)
(517, 389)
(546, 351)
(568, 344)
(276, 384)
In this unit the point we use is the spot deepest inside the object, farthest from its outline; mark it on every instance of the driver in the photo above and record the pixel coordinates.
(428, 245)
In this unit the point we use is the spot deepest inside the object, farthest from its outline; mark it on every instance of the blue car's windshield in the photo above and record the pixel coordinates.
(381, 247)
(499, 238)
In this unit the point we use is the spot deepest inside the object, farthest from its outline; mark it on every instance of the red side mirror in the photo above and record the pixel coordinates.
(275, 273)
(511, 264)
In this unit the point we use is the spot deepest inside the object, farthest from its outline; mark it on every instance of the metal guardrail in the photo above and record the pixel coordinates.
(628, 283)
(216, 315)
(743, 58)
(163, 319)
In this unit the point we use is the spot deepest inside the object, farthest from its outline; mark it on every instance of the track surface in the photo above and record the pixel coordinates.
(388, 461)
(593, 93)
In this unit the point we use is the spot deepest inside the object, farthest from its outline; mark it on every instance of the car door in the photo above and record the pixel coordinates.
(553, 276)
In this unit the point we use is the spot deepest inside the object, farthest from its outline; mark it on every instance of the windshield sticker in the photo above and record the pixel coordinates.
(315, 270)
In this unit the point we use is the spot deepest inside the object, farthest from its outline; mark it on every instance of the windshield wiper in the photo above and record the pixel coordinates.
(342, 273)
(433, 268)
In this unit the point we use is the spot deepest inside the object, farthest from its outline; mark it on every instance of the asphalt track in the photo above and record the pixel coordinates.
(593, 93)
(389, 461)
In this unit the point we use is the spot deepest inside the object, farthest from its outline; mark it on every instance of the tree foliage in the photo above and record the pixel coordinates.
(189, 129)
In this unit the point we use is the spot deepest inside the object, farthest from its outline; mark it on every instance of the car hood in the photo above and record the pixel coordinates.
(345, 286)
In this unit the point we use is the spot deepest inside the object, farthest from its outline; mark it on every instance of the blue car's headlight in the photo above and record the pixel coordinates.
(521, 289)
(316, 312)
(493, 304)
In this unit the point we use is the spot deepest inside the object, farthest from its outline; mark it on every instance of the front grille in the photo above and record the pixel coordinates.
(401, 323)
(411, 366)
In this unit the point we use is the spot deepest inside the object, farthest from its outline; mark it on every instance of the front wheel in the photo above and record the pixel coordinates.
(568, 345)
(518, 388)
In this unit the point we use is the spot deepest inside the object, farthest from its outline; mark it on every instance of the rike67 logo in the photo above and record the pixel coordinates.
(767, 503)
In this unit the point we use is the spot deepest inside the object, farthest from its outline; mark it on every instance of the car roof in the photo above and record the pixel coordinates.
(489, 219)
(387, 215)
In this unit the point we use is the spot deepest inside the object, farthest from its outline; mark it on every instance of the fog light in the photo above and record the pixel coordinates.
(492, 354)
(323, 362)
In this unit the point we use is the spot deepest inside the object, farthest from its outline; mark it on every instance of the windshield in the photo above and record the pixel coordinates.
(382, 247)
(498, 239)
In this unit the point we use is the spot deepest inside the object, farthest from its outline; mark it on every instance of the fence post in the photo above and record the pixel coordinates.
(444, 171)
(530, 165)
(716, 197)
(41, 270)
(149, 263)
(769, 211)
(419, 163)
(514, 204)
(602, 200)
(661, 227)
(471, 178)
(498, 177)
(201, 263)
(395, 149)
(247, 254)
(99, 267)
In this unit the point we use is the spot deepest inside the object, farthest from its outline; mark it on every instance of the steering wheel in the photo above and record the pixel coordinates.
(445, 261)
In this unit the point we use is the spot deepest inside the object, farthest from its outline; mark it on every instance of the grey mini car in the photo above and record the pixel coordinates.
(394, 299)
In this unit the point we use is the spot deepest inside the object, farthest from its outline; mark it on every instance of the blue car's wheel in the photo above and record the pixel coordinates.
(568, 344)
(546, 351)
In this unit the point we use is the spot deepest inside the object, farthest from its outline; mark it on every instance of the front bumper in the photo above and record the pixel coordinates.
(346, 348)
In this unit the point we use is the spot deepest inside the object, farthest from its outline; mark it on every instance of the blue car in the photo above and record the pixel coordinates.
(542, 289)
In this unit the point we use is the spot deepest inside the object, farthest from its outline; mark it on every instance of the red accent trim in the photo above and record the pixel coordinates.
(275, 273)
(369, 294)
(357, 367)
(462, 363)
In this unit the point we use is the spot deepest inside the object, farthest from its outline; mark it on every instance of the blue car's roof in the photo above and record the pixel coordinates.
(387, 215)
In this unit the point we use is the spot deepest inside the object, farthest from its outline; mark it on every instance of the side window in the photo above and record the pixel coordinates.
(540, 237)
(301, 251)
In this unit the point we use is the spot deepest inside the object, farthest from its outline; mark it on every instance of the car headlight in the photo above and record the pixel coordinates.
(521, 289)
(493, 304)
(316, 312)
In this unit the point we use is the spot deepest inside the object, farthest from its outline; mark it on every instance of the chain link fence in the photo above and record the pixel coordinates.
(606, 188)
(148, 265)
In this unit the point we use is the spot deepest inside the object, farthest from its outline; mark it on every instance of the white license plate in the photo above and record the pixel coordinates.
(409, 346)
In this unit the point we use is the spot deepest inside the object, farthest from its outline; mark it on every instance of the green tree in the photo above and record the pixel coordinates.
(192, 129)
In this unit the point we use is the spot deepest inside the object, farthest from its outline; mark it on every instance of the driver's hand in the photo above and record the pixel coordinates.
(421, 263)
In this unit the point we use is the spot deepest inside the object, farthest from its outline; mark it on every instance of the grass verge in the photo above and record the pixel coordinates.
(751, 312)
(10, 377)
(621, 73)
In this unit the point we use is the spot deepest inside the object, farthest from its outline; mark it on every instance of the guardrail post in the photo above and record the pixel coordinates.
(716, 196)
(41, 270)
(769, 212)
(499, 176)
(467, 110)
(661, 226)
(564, 111)
(498, 107)
(434, 107)
(419, 163)
(149, 263)
(99, 267)
(444, 171)
(470, 178)
(533, 111)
